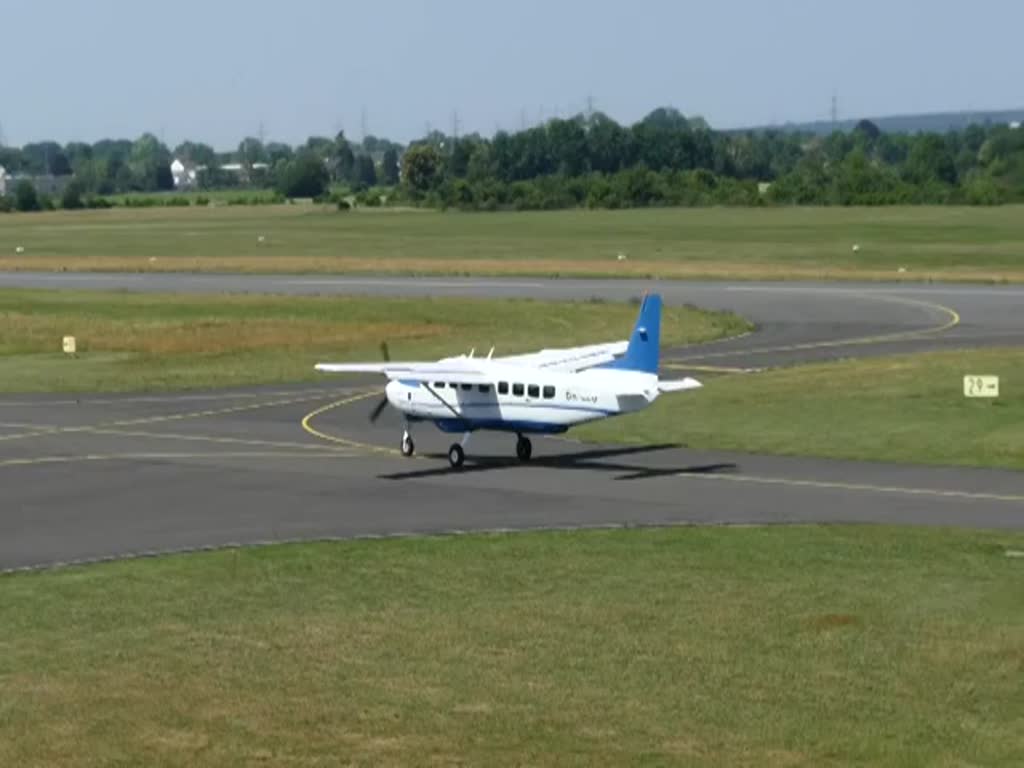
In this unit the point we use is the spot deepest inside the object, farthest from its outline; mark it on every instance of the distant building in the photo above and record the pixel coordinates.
(3, 180)
(239, 169)
(1015, 124)
(185, 175)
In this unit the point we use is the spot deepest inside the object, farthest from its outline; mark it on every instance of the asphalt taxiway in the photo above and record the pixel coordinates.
(94, 477)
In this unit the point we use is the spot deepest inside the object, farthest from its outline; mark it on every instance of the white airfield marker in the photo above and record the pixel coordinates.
(981, 386)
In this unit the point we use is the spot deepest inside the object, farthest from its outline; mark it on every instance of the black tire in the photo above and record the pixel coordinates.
(524, 448)
(408, 447)
(456, 456)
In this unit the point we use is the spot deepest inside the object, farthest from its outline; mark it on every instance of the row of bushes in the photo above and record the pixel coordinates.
(27, 199)
(641, 187)
(344, 200)
(633, 188)
(877, 187)
(41, 202)
(181, 201)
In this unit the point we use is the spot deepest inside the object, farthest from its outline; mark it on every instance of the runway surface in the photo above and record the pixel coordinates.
(108, 476)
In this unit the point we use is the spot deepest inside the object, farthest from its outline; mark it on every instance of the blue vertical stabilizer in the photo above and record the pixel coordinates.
(642, 352)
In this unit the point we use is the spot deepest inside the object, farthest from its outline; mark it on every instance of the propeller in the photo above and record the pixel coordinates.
(381, 405)
(383, 402)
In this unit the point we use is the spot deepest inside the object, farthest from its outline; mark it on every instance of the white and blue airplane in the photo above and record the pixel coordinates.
(544, 392)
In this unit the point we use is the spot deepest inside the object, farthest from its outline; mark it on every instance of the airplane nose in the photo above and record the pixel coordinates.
(392, 391)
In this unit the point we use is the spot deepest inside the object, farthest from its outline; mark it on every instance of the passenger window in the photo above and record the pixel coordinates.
(533, 390)
(549, 392)
(517, 390)
(502, 387)
(485, 388)
(467, 387)
(438, 385)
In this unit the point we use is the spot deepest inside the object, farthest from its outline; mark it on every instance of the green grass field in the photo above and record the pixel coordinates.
(907, 408)
(804, 646)
(930, 243)
(130, 341)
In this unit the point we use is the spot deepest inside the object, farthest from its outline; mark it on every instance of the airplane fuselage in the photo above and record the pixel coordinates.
(523, 400)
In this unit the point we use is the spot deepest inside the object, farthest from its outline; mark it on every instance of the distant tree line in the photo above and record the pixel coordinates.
(591, 161)
(666, 159)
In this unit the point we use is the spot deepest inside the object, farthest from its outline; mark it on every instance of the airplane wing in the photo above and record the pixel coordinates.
(569, 359)
(414, 371)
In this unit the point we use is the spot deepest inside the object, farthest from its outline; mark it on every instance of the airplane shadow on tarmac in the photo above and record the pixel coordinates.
(596, 459)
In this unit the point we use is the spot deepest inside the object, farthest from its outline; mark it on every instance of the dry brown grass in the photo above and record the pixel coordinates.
(146, 341)
(930, 243)
(834, 621)
(212, 336)
(690, 269)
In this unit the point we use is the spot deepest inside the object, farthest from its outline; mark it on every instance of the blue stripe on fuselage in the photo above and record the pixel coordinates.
(554, 406)
(500, 425)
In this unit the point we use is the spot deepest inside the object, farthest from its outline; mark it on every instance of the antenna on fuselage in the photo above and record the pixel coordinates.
(490, 353)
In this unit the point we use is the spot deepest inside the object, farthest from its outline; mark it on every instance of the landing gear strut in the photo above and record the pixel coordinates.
(524, 448)
(408, 446)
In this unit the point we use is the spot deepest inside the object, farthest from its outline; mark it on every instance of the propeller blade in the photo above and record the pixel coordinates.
(375, 413)
(385, 352)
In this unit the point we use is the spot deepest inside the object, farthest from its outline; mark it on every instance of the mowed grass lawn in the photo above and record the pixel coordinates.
(131, 341)
(805, 646)
(907, 408)
(985, 244)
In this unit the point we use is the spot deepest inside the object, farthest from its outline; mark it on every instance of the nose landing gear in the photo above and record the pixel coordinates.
(408, 446)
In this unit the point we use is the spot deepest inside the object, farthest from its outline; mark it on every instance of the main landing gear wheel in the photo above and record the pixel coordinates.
(456, 456)
(524, 448)
(408, 446)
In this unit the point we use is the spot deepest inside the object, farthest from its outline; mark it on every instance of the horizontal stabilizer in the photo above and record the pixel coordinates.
(679, 385)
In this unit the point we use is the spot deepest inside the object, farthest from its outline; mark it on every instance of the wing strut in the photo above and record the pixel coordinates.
(447, 405)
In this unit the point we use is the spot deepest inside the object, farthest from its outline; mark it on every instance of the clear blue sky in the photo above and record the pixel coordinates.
(213, 70)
